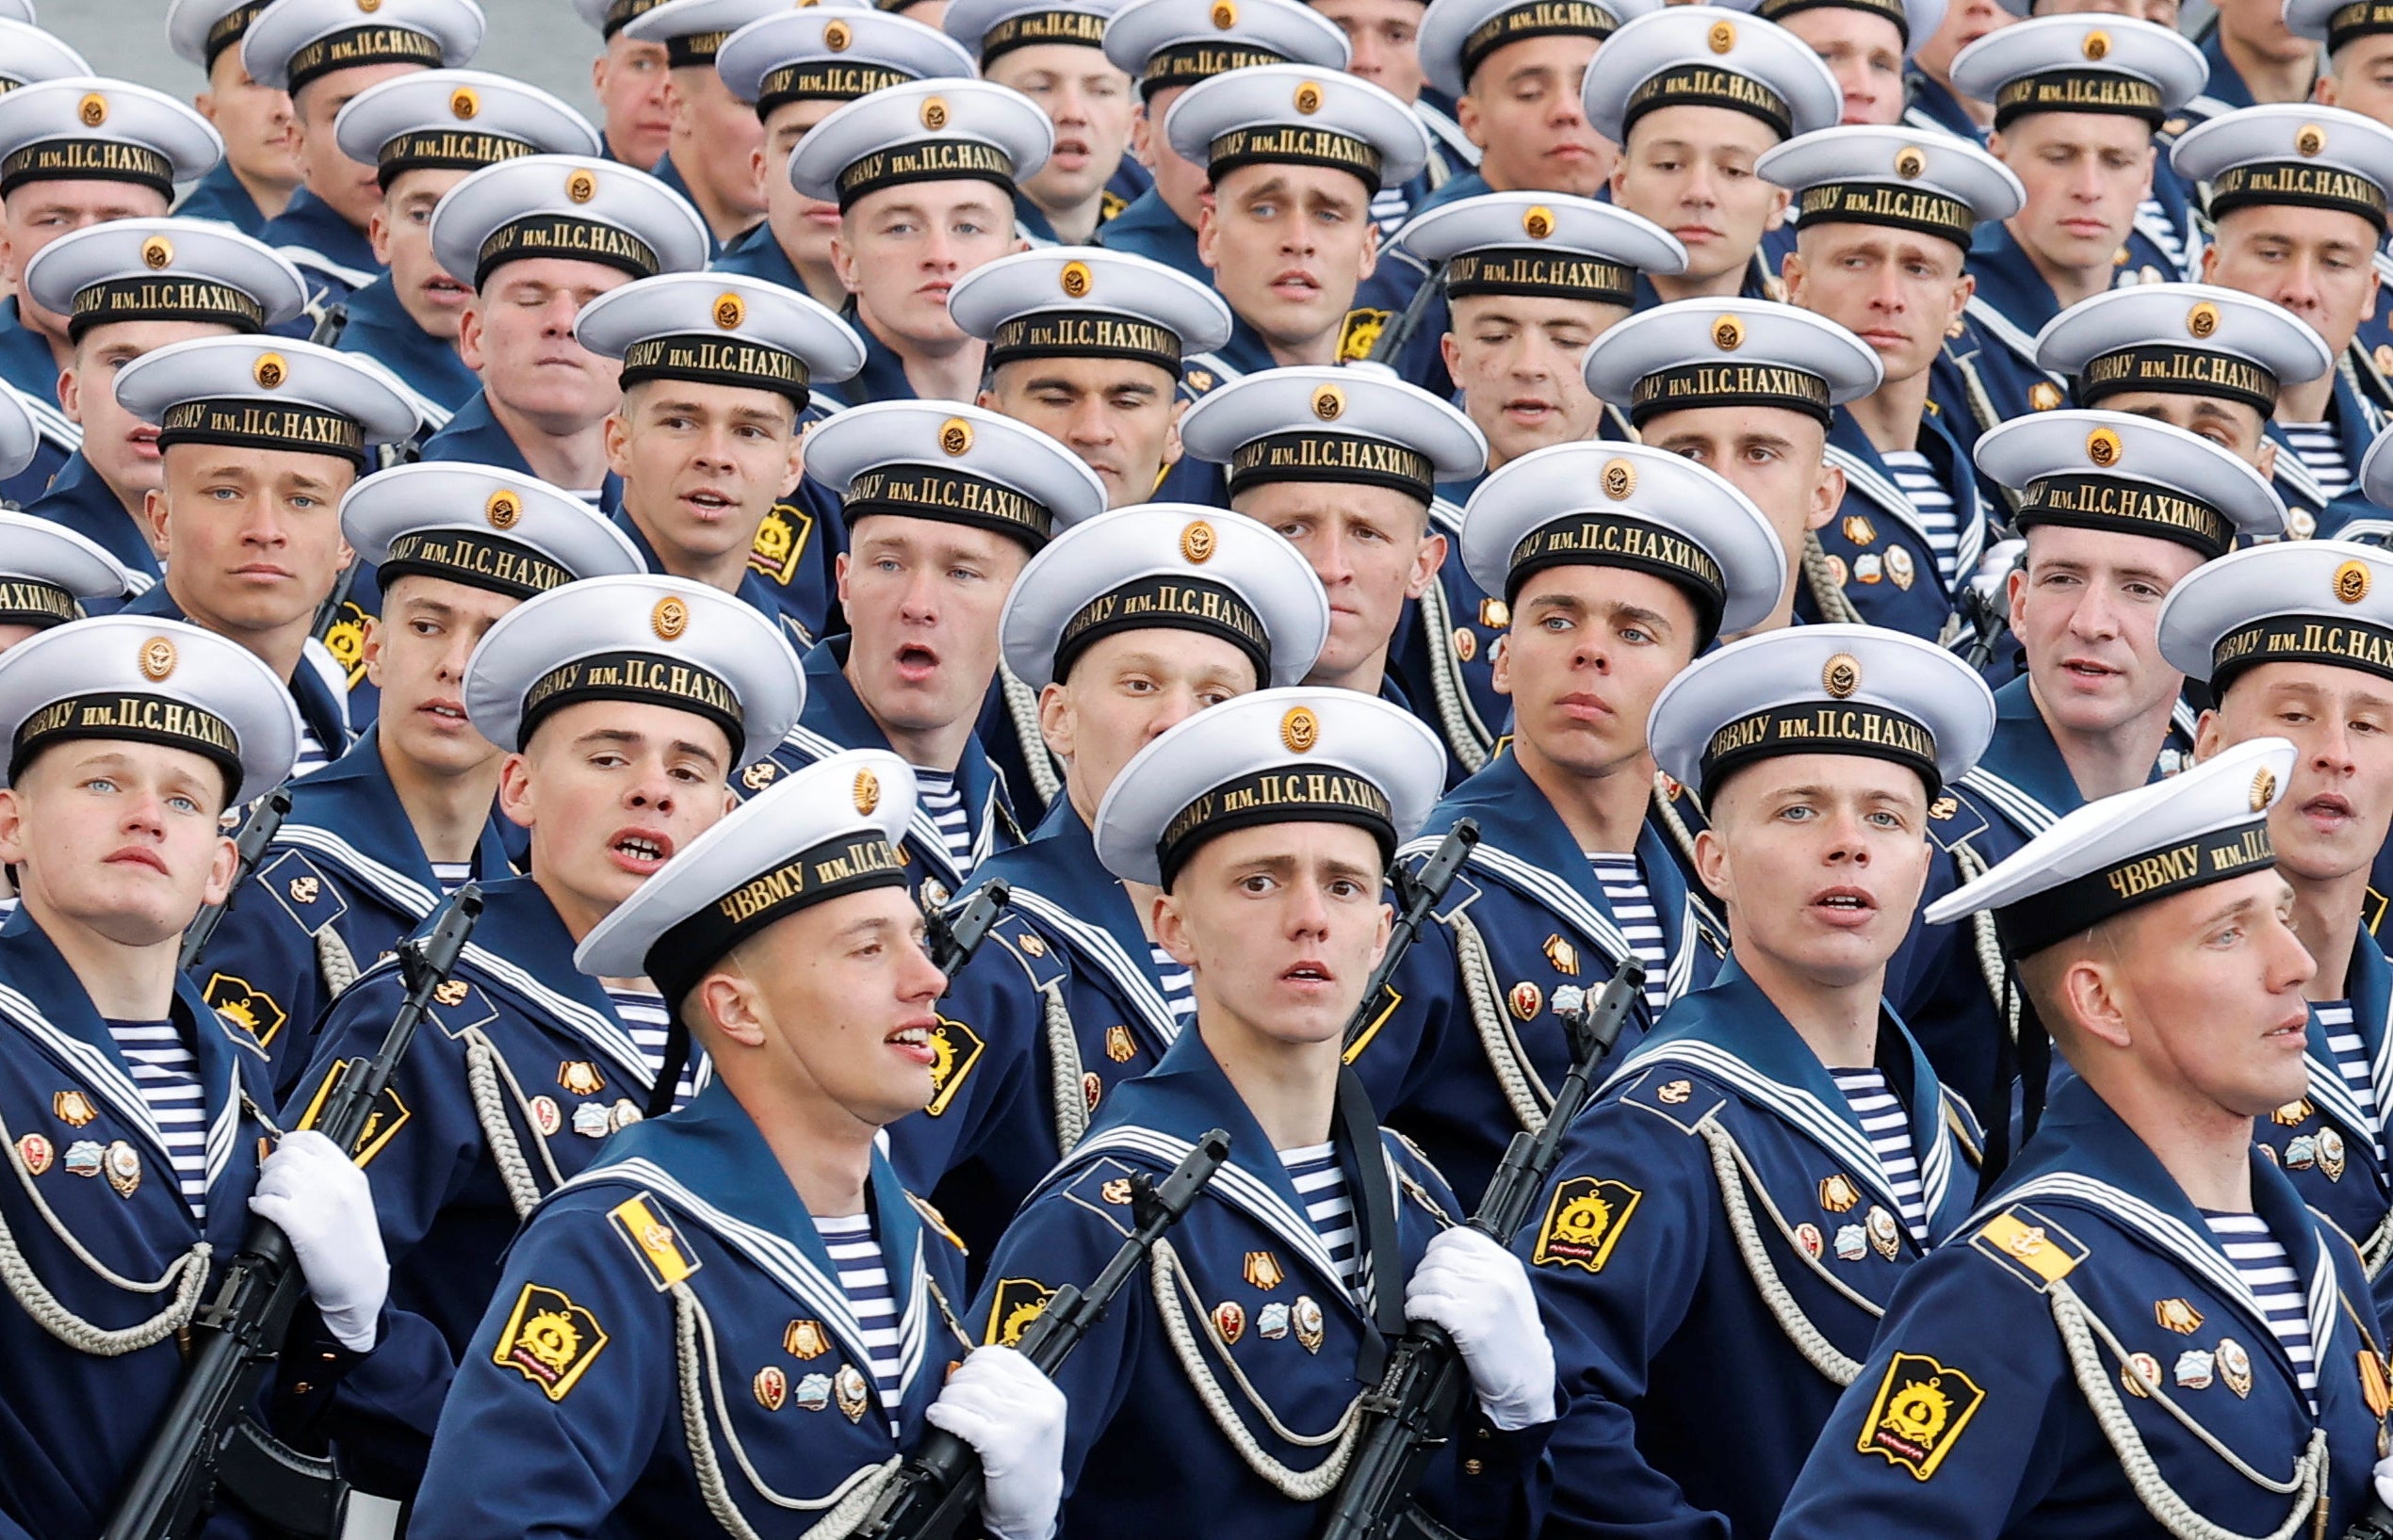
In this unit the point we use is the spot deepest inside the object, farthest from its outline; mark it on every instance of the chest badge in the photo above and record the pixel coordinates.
(1837, 1193)
(73, 1107)
(2177, 1316)
(1263, 1270)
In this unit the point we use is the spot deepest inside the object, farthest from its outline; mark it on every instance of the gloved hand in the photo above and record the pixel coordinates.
(1993, 576)
(2384, 1482)
(320, 1198)
(1013, 1415)
(1479, 1292)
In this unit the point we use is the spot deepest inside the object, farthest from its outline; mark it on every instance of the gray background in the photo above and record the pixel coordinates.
(543, 41)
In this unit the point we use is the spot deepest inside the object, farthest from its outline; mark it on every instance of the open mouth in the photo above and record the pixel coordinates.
(2086, 670)
(709, 504)
(1309, 972)
(2327, 810)
(144, 442)
(913, 1041)
(1528, 409)
(1851, 902)
(1297, 286)
(916, 663)
(640, 851)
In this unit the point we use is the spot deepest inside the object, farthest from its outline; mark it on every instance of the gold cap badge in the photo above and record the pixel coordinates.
(669, 619)
(157, 253)
(956, 436)
(504, 510)
(2352, 582)
(2263, 788)
(1197, 543)
(157, 659)
(1536, 223)
(2104, 448)
(1076, 281)
(1299, 729)
(867, 792)
(1842, 676)
(269, 371)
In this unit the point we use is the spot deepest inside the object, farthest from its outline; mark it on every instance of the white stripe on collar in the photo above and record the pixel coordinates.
(94, 1066)
(400, 891)
(923, 832)
(601, 1031)
(1550, 891)
(2005, 332)
(2030, 815)
(1098, 945)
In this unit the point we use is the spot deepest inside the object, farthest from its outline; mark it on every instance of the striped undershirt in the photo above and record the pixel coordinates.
(312, 757)
(1179, 984)
(452, 875)
(2267, 1272)
(1640, 923)
(643, 1015)
(2319, 449)
(1932, 502)
(1321, 1187)
(167, 1072)
(2163, 232)
(2351, 1056)
(1887, 1128)
(1389, 208)
(944, 800)
(864, 1277)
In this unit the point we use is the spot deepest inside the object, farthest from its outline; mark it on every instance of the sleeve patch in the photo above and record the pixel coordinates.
(312, 900)
(2031, 1247)
(1583, 1223)
(664, 1255)
(1104, 1189)
(1016, 1303)
(1952, 820)
(1921, 1410)
(259, 1016)
(955, 1048)
(382, 1123)
(549, 1340)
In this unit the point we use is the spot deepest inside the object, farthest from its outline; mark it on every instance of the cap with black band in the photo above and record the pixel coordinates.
(194, 270)
(1709, 56)
(2290, 154)
(2097, 63)
(1896, 178)
(1358, 425)
(1164, 43)
(572, 208)
(1541, 245)
(483, 525)
(821, 55)
(1696, 353)
(922, 131)
(267, 393)
(2182, 339)
(293, 43)
(89, 129)
(2119, 474)
(1085, 302)
(953, 463)
(456, 121)
(1295, 115)
(719, 328)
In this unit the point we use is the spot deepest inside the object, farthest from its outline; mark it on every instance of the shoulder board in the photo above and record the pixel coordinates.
(1104, 1190)
(938, 1221)
(306, 894)
(1037, 955)
(1953, 820)
(2030, 1246)
(640, 1222)
(1668, 1093)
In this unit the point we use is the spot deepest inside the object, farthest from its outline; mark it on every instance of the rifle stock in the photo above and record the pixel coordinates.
(249, 848)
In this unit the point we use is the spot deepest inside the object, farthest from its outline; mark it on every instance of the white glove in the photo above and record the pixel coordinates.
(2384, 1482)
(318, 1197)
(1479, 1292)
(1993, 569)
(1012, 1417)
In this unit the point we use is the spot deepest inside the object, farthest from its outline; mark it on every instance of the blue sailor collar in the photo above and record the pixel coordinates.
(2354, 426)
(1148, 228)
(1866, 474)
(220, 196)
(349, 814)
(2224, 92)
(1031, 223)
(524, 952)
(2012, 302)
(1245, 353)
(709, 1163)
(1933, 106)
(670, 174)
(2022, 776)
(26, 363)
(325, 711)
(316, 229)
(474, 433)
(380, 326)
(1756, 285)
(79, 500)
(2371, 982)
(883, 377)
(754, 589)
(1056, 880)
(1735, 1035)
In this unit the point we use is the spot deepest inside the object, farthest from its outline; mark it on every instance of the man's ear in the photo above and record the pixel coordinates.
(1712, 865)
(154, 511)
(71, 394)
(378, 234)
(1171, 929)
(514, 790)
(1055, 721)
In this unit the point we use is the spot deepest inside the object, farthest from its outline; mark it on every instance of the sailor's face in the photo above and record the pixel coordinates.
(2338, 802)
(2359, 77)
(1775, 456)
(1373, 549)
(260, 139)
(803, 225)
(1383, 42)
(519, 336)
(1863, 51)
(39, 213)
(1965, 22)
(2210, 994)
(1523, 112)
(1179, 181)
(1288, 244)
(900, 250)
(1120, 416)
(1516, 359)
(2086, 610)
(121, 446)
(1690, 171)
(2233, 425)
(416, 654)
(1820, 859)
(1281, 924)
(718, 135)
(1897, 290)
(253, 536)
(1126, 691)
(1090, 105)
(433, 298)
(629, 81)
(119, 839)
(348, 185)
(702, 464)
(1590, 649)
(2318, 263)
(2086, 174)
(923, 598)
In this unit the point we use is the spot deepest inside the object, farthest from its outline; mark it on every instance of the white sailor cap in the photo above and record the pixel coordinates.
(1085, 302)
(2296, 601)
(20, 440)
(2376, 485)
(2129, 476)
(612, 16)
(1929, 183)
(822, 833)
(922, 131)
(1353, 426)
(2085, 62)
(2336, 23)
(198, 30)
(1456, 36)
(83, 128)
(2290, 153)
(991, 29)
(694, 31)
(483, 525)
(1707, 56)
(146, 679)
(1730, 353)
(1298, 115)
(572, 207)
(28, 55)
(1294, 755)
(294, 41)
(2208, 824)
(2187, 339)
(1848, 690)
(1627, 505)
(1177, 566)
(268, 393)
(647, 638)
(1179, 43)
(19, 10)
(1916, 21)
(47, 571)
(954, 464)
(1547, 244)
(824, 54)
(719, 328)
(456, 121)
(164, 270)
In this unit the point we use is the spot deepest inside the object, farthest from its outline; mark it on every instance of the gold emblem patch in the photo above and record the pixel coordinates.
(2352, 582)
(1076, 280)
(662, 1253)
(92, 110)
(383, 1122)
(1922, 1408)
(1536, 221)
(1264, 1271)
(1524, 999)
(669, 619)
(269, 371)
(2096, 46)
(157, 253)
(804, 1339)
(1620, 480)
(2202, 319)
(1841, 675)
(1198, 541)
(955, 1049)
(1224, 15)
(835, 36)
(1120, 1046)
(1299, 730)
(1677, 1092)
(2177, 1316)
(1584, 1222)
(2263, 788)
(549, 1340)
(452, 992)
(1308, 99)
(1329, 403)
(157, 659)
(1018, 1303)
(867, 792)
(2309, 139)
(504, 510)
(305, 889)
(1837, 1193)
(254, 1011)
(580, 1078)
(955, 437)
(72, 1107)
(1722, 36)
(772, 1387)
(1564, 956)
(2044, 395)
(1910, 161)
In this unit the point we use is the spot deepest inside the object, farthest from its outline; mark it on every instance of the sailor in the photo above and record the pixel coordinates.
(424, 132)
(129, 737)
(1345, 462)
(797, 66)
(1124, 626)
(1294, 156)
(1620, 564)
(2354, 76)
(944, 504)
(2255, 58)
(76, 151)
(376, 840)
(50, 575)
(1383, 48)
(629, 77)
(2077, 102)
(1324, 1233)
(539, 237)
(717, 386)
(1750, 388)
(1166, 46)
(1866, 45)
(128, 287)
(710, 155)
(1696, 1200)
(258, 440)
(1054, 53)
(923, 173)
(261, 169)
(2114, 511)
(2296, 194)
(765, 1198)
(1888, 215)
(323, 53)
(624, 706)
(1695, 95)
(1934, 102)
(2142, 1327)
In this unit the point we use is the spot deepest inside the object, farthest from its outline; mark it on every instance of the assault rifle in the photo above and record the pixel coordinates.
(249, 848)
(1416, 896)
(954, 940)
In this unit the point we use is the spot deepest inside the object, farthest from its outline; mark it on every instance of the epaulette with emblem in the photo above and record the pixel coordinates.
(1676, 1097)
(937, 1220)
(1037, 955)
(1953, 820)
(1104, 1189)
(2030, 1246)
(309, 897)
(459, 1006)
(641, 1223)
